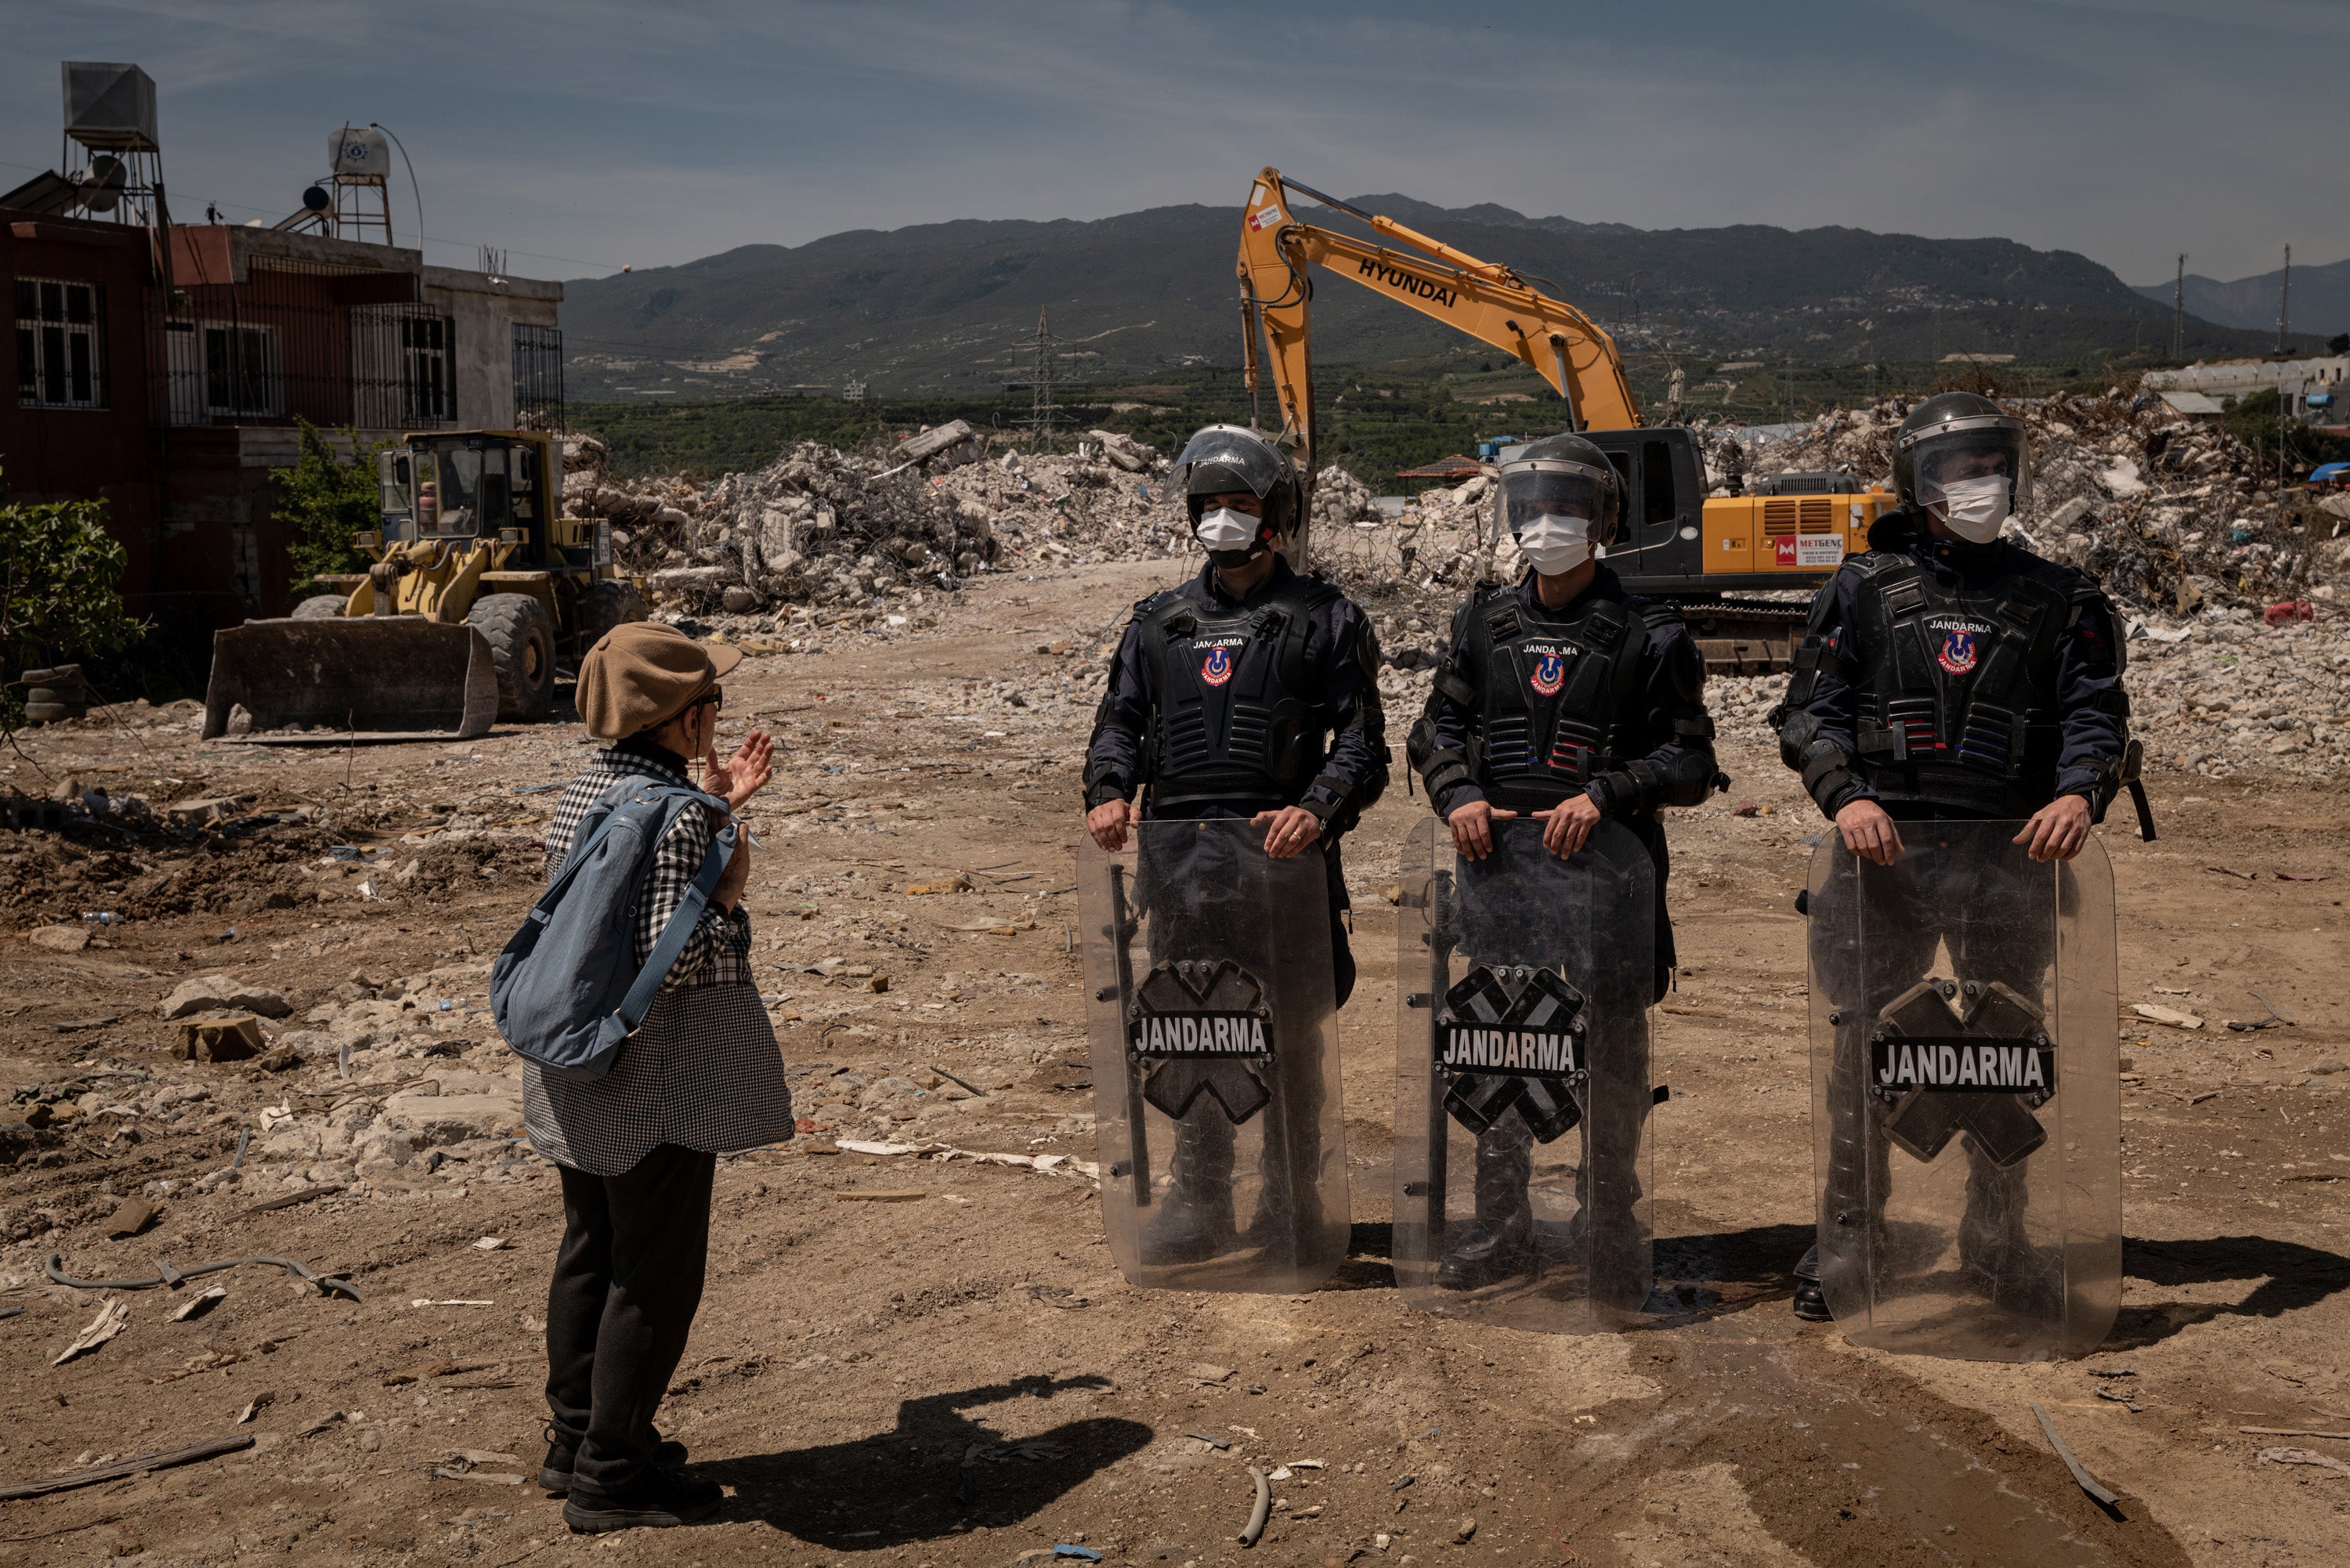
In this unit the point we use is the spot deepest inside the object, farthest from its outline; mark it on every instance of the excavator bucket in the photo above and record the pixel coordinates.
(388, 678)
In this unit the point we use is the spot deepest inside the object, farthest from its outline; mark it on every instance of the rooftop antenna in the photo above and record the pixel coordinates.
(2178, 312)
(414, 189)
(2284, 302)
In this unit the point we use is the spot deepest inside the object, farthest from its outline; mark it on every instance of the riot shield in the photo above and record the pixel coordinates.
(1210, 1005)
(1522, 1162)
(1966, 1109)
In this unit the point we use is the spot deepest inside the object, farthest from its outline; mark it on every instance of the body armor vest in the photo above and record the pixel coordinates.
(1557, 698)
(1958, 695)
(1233, 724)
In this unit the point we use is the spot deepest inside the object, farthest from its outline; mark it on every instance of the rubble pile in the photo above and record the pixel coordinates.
(815, 527)
(1440, 544)
(823, 527)
(2167, 513)
(1108, 502)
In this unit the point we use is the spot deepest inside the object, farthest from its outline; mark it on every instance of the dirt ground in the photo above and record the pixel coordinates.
(960, 1376)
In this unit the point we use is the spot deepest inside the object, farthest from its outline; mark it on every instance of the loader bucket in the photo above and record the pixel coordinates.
(386, 678)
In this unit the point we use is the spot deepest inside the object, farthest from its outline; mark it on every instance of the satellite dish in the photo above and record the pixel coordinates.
(316, 200)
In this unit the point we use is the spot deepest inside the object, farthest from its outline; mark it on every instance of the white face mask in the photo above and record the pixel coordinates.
(1973, 509)
(1225, 529)
(1555, 545)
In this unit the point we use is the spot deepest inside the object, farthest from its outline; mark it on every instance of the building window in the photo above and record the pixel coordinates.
(60, 344)
(242, 374)
(538, 377)
(429, 390)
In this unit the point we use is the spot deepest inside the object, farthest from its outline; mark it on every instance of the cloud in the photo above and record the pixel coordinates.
(654, 133)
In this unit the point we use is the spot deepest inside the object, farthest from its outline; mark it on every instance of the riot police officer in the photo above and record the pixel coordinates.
(1251, 691)
(1568, 700)
(1950, 674)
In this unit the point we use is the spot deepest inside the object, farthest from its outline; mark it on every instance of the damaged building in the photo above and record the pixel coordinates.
(161, 366)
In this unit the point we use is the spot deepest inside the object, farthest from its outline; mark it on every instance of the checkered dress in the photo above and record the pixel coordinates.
(703, 1072)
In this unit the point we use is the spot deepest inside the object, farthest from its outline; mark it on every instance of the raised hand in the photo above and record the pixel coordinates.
(744, 774)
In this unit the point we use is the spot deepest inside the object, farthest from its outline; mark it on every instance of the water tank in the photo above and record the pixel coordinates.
(110, 106)
(359, 152)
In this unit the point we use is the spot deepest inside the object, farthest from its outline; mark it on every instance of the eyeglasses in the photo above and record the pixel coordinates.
(713, 698)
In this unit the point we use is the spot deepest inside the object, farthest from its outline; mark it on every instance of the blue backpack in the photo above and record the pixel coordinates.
(566, 992)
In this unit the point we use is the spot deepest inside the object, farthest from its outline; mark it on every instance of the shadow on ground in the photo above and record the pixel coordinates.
(2292, 1277)
(940, 1472)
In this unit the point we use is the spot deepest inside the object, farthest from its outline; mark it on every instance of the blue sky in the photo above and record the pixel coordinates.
(587, 134)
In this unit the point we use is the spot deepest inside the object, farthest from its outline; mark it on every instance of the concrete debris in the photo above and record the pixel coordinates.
(221, 994)
(112, 1318)
(2170, 514)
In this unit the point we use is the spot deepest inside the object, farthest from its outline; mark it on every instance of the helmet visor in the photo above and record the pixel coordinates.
(1225, 459)
(1971, 454)
(1551, 489)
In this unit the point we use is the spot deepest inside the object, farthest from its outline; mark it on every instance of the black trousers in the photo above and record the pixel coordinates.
(1197, 894)
(1872, 937)
(628, 1280)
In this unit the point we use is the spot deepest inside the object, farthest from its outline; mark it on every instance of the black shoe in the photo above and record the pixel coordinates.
(1490, 1250)
(659, 1499)
(563, 1452)
(1189, 1229)
(1811, 1303)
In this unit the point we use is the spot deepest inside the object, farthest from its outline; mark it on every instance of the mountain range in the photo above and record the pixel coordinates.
(954, 307)
(2320, 303)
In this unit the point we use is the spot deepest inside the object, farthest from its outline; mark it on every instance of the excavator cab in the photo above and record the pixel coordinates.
(477, 587)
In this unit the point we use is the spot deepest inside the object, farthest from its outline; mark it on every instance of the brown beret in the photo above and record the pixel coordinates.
(641, 674)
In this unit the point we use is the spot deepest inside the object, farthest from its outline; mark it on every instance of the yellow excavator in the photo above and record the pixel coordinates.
(477, 586)
(1676, 544)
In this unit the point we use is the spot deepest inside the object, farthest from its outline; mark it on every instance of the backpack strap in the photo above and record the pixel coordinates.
(603, 812)
(673, 939)
(688, 914)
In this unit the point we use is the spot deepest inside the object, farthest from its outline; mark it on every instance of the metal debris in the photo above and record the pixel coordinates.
(2088, 1482)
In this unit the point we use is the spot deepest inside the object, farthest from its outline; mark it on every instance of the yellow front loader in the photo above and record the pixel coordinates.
(478, 585)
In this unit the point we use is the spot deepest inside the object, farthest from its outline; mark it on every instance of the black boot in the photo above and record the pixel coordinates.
(1811, 1303)
(563, 1449)
(1490, 1250)
(1192, 1220)
(657, 1500)
(1191, 1223)
(1499, 1243)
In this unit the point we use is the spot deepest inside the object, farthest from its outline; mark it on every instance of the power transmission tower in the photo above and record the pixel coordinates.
(1042, 415)
(2178, 312)
(2284, 302)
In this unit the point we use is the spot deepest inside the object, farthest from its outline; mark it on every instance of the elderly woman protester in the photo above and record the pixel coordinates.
(636, 1148)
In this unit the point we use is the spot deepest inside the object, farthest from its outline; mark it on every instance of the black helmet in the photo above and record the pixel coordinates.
(1559, 474)
(1950, 426)
(1221, 459)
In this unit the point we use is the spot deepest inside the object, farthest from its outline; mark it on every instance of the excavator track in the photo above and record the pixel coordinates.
(1743, 636)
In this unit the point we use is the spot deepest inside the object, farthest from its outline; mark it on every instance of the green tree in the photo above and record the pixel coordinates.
(2253, 420)
(59, 568)
(322, 500)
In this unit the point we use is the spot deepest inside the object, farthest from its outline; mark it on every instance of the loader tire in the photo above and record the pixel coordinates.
(522, 649)
(610, 603)
(321, 606)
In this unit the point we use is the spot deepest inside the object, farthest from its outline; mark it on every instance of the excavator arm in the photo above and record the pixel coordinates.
(1488, 302)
